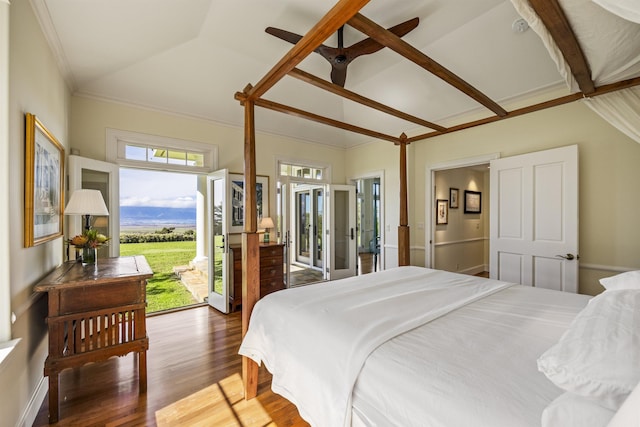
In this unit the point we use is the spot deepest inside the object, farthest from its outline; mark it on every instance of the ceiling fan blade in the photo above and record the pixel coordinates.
(339, 73)
(369, 45)
(284, 35)
(327, 52)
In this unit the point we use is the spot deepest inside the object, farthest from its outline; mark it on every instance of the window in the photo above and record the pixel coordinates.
(306, 172)
(155, 152)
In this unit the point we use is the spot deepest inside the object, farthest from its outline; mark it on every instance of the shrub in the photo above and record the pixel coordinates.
(187, 236)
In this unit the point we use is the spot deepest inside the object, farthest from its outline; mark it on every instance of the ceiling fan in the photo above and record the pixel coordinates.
(339, 57)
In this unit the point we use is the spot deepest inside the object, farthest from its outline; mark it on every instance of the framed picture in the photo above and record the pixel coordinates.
(236, 224)
(472, 201)
(453, 198)
(442, 212)
(43, 184)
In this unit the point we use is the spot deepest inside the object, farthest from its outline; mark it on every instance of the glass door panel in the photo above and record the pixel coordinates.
(217, 184)
(342, 211)
(318, 228)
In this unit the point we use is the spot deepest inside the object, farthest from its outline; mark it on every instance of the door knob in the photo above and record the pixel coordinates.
(568, 257)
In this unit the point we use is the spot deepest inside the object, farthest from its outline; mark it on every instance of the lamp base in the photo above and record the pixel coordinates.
(265, 237)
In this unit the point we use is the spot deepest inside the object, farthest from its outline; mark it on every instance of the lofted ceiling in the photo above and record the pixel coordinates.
(191, 57)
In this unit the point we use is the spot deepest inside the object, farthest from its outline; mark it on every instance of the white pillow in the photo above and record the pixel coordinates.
(571, 410)
(599, 355)
(627, 280)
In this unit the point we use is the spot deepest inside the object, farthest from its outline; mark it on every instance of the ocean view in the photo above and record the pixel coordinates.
(136, 218)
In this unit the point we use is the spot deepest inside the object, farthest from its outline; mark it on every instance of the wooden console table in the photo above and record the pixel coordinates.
(95, 313)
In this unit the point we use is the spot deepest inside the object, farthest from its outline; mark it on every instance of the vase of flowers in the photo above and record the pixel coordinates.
(87, 245)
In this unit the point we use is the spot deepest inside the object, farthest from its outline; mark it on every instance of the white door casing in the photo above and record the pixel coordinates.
(534, 219)
(77, 165)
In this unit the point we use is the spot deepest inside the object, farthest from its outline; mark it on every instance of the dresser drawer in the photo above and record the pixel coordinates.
(270, 285)
(271, 251)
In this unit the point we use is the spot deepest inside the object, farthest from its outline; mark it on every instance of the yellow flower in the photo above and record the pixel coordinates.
(88, 239)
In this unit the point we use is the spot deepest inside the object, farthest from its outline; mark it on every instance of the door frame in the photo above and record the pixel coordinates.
(74, 223)
(429, 202)
(219, 301)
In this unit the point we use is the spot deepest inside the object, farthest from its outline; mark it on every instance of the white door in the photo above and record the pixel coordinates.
(218, 214)
(342, 248)
(534, 219)
(96, 175)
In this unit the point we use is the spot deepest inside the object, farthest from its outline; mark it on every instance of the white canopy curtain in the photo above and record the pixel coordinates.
(611, 45)
(627, 9)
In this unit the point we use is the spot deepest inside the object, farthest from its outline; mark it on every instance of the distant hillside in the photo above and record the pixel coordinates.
(149, 215)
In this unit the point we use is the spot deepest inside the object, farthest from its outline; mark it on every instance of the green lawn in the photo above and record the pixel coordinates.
(164, 290)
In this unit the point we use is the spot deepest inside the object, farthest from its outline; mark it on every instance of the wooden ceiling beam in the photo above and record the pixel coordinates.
(390, 40)
(328, 25)
(292, 111)
(558, 26)
(352, 96)
(532, 108)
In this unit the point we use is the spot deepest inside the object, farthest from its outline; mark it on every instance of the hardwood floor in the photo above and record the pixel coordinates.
(194, 378)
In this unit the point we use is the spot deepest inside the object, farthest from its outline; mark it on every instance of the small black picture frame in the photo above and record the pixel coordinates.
(442, 212)
(472, 202)
(453, 198)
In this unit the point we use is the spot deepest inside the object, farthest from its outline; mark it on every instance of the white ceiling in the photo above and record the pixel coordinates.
(190, 57)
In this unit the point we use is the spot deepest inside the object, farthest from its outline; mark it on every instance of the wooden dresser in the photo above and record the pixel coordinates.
(271, 271)
(95, 312)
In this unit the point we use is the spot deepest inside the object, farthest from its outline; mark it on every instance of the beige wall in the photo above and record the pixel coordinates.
(90, 118)
(608, 177)
(37, 87)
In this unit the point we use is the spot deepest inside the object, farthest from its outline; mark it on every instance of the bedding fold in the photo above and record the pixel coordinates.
(334, 326)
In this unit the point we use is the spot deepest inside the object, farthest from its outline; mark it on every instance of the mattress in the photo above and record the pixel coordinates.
(476, 366)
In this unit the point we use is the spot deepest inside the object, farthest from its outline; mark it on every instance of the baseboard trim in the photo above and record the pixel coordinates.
(612, 268)
(31, 411)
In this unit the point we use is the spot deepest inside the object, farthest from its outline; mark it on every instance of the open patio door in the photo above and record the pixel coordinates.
(218, 214)
(342, 246)
(96, 175)
(534, 219)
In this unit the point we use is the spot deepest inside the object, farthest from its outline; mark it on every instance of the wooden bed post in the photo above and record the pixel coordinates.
(250, 245)
(404, 254)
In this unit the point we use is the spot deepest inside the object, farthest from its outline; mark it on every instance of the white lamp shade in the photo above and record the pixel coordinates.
(86, 202)
(266, 223)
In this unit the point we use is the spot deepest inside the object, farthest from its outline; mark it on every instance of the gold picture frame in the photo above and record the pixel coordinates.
(236, 222)
(43, 184)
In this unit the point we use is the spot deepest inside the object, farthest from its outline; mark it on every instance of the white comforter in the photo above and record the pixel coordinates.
(315, 339)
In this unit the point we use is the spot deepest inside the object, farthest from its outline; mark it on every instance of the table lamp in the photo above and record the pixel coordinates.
(266, 223)
(86, 203)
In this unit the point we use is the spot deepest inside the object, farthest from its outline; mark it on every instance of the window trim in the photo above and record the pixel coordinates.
(326, 167)
(117, 140)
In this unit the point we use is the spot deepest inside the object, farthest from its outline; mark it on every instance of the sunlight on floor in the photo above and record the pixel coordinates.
(221, 404)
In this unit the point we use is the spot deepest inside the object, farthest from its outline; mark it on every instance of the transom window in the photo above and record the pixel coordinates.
(155, 152)
(301, 171)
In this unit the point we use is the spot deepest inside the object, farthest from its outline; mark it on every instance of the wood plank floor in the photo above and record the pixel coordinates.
(194, 379)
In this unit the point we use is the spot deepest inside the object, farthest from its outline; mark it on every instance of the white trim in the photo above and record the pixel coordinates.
(457, 242)
(430, 171)
(6, 350)
(116, 139)
(43, 17)
(33, 407)
(5, 183)
(612, 268)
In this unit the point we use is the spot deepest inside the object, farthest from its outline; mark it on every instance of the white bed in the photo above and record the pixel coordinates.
(412, 346)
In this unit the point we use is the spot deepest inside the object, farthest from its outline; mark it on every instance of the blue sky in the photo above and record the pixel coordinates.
(140, 187)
